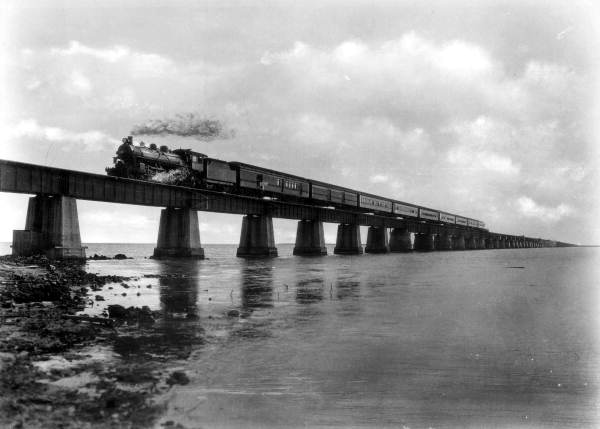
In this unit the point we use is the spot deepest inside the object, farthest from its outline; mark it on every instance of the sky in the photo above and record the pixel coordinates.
(484, 109)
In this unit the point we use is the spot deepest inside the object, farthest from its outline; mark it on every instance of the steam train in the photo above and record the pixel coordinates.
(185, 167)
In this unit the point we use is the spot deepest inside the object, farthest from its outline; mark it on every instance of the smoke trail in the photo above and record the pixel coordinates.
(187, 125)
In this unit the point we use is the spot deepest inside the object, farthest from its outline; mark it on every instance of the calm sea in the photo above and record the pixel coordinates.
(495, 338)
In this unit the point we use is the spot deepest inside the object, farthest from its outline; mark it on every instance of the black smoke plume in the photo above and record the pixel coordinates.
(185, 125)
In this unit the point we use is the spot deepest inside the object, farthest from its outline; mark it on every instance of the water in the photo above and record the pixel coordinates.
(494, 338)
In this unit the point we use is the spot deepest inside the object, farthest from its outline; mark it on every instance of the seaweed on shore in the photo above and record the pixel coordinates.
(39, 300)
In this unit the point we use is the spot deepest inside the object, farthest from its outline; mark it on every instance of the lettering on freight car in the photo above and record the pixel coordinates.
(447, 218)
(461, 221)
(402, 209)
(428, 214)
(374, 203)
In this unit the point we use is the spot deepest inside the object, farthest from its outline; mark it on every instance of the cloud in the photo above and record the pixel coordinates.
(110, 55)
(139, 63)
(562, 34)
(78, 84)
(378, 178)
(482, 161)
(92, 140)
(454, 124)
(529, 208)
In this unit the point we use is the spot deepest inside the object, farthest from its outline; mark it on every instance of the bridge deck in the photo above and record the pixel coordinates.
(18, 177)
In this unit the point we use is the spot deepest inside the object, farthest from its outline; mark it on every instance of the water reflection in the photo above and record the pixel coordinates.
(178, 283)
(176, 329)
(257, 285)
(309, 291)
(347, 289)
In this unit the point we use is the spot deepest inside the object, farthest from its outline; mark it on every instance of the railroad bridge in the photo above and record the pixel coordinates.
(52, 225)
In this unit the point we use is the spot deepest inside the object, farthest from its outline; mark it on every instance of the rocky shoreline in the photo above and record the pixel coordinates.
(61, 369)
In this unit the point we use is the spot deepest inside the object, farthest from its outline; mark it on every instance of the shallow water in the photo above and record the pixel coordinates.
(494, 338)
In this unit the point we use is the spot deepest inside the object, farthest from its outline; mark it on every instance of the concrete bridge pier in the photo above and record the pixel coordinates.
(348, 240)
(425, 242)
(310, 239)
(489, 243)
(501, 244)
(471, 243)
(178, 234)
(481, 243)
(377, 240)
(444, 242)
(459, 242)
(257, 237)
(51, 228)
(400, 240)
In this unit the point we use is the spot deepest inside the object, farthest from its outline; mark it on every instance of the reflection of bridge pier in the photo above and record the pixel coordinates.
(257, 285)
(178, 284)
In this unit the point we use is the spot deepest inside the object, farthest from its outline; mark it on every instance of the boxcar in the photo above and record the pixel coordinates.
(373, 203)
(428, 214)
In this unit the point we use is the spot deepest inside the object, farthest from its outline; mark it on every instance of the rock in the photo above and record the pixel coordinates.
(233, 313)
(178, 377)
(116, 311)
(142, 315)
(97, 257)
(99, 298)
(121, 256)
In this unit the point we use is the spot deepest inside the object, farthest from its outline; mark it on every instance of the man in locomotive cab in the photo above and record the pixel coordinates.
(125, 148)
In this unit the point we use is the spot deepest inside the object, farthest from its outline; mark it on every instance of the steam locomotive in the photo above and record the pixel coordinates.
(185, 167)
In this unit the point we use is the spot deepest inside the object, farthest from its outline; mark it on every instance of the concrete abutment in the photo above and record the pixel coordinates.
(348, 240)
(445, 242)
(257, 237)
(51, 228)
(310, 239)
(377, 240)
(459, 242)
(400, 240)
(424, 242)
(178, 234)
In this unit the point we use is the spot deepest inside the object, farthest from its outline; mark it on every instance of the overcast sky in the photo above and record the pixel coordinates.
(479, 108)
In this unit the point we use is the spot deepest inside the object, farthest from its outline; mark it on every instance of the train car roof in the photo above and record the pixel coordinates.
(319, 183)
(268, 170)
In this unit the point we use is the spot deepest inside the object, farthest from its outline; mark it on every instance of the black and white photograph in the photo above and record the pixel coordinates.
(299, 214)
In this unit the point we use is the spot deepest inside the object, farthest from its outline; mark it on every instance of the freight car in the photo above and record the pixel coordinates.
(188, 168)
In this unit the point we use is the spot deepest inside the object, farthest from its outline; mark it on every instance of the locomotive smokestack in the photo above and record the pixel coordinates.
(189, 125)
